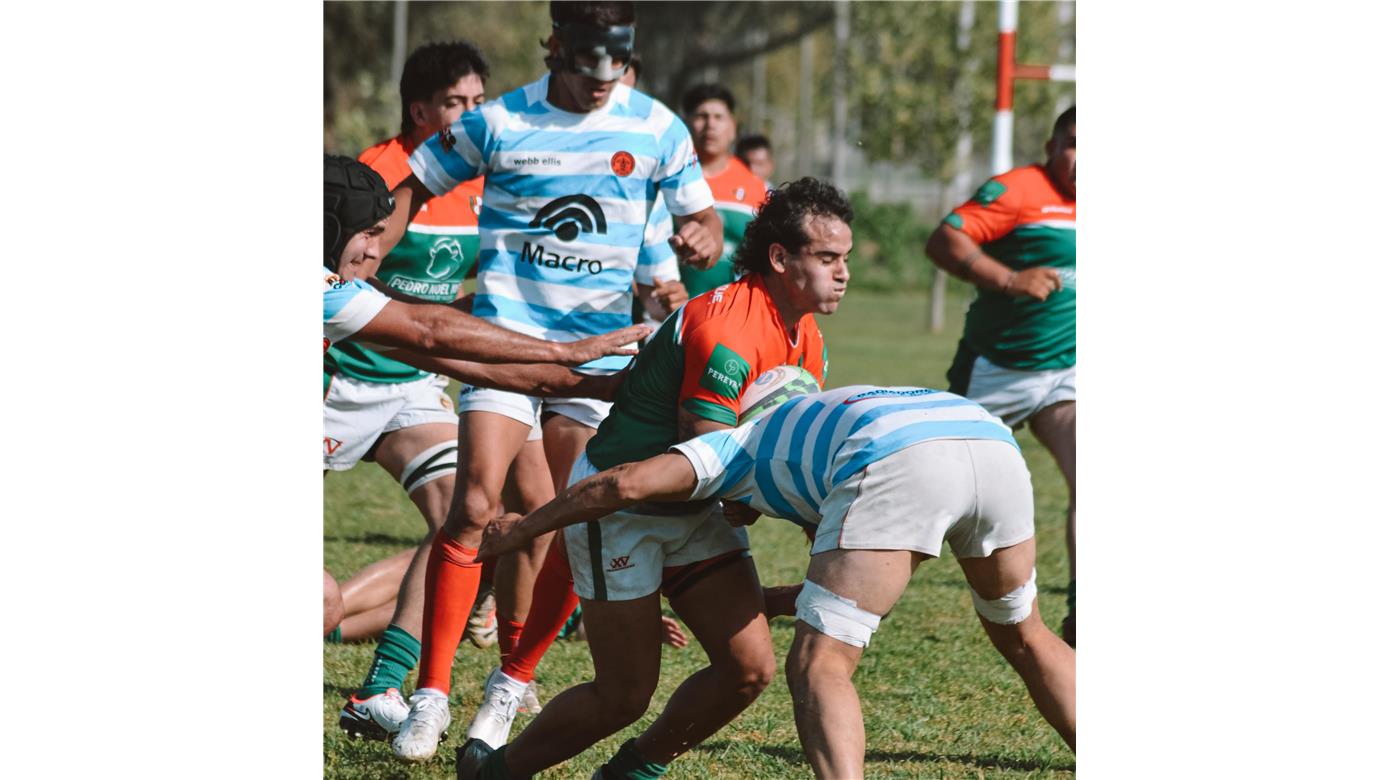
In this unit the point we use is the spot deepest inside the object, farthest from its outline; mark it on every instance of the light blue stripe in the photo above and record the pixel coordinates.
(618, 280)
(335, 299)
(531, 185)
(794, 458)
(822, 455)
(638, 105)
(921, 432)
(763, 468)
(584, 322)
(450, 162)
(516, 102)
(533, 141)
(887, 408)
(655, 253)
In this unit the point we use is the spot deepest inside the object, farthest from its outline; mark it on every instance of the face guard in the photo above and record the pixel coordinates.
(604, 44)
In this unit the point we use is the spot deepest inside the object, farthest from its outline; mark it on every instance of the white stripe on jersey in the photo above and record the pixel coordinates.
(347, 306)
(786, 463)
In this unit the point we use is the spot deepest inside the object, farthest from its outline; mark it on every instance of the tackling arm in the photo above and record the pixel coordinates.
(448, 332)
(665, 477)
(541, 379)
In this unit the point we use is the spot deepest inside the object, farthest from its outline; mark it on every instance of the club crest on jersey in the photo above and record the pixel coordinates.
(738, 193)
(623, 163)
(444, 257)
(447, 139)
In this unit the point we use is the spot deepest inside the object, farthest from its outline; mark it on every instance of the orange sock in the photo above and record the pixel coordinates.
(507, 634)
(550, 606)
(452, 580)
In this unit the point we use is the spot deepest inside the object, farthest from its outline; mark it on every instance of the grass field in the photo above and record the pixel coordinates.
(938, 700)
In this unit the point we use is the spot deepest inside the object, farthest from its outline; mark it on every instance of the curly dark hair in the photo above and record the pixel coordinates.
(781, 220)
(436, 66)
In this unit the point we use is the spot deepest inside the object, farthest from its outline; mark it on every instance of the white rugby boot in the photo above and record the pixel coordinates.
(425, 726)
(374, 717)
(492, 722)
(530, 702)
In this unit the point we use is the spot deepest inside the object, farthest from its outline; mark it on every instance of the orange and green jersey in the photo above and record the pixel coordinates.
(429, 262)
(702, 359)
(738, 194)
(1023, 221)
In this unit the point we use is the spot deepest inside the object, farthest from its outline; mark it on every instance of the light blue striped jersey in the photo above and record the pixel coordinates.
(567, 204)
(786, 463)
(347, 306)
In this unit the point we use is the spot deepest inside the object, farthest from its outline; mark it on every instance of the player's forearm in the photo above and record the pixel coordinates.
(448, 332)
(955, 252)
(538, 379)
(588, 499)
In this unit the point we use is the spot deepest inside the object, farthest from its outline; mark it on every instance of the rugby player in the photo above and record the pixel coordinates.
(687, 381)
(572, 163)
(1015, 240)
(391, 413)
(709, 111)
(881, 477)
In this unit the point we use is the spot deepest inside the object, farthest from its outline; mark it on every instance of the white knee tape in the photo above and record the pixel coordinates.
(1009, 609)
(436, 462)
(835, 616)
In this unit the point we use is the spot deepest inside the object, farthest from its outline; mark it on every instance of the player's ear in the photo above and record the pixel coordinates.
(777, 257)
(418, 113)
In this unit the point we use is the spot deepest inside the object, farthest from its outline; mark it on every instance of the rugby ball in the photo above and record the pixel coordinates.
(772, 389)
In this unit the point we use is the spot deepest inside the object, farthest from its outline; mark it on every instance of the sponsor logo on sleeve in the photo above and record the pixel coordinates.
(989, 192)
(725, 373)
(447, 139)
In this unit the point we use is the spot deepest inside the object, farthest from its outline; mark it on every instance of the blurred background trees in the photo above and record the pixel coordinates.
(891, 100)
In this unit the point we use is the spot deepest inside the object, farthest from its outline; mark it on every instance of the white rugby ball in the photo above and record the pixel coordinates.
(772, 389)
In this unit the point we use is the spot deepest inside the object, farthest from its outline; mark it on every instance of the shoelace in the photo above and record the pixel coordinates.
(438, 707)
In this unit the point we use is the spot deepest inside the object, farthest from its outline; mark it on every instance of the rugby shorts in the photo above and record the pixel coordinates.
(528, 409)
(648, 547)
(357, 413)
(1016, 396)
(973, 493)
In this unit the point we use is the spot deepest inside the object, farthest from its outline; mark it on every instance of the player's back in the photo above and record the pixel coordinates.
(786, 463)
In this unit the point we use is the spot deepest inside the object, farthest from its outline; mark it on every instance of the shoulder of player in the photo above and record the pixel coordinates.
(388, 158)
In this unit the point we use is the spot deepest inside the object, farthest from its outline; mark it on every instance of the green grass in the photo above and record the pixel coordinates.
(938, 700)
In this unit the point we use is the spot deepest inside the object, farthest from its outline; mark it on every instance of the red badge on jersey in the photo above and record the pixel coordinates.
(623, 163)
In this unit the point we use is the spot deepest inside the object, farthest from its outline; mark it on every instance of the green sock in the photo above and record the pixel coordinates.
(1070, 597)
(396, 655)
(628, 764)
(333, 638)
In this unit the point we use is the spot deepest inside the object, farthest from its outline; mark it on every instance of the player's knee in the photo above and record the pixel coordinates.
(478, 508)
(1009, 609)
(752, 674)
(835, 616)
(623, 705)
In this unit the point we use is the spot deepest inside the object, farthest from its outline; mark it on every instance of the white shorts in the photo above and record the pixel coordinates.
(528, 409)
(1015, 396)
(357, 413)
(636, 552)
(975, 493)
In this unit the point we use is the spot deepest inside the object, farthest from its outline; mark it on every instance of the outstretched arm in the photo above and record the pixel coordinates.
(666, 477)
(444, 331)
(542, 379)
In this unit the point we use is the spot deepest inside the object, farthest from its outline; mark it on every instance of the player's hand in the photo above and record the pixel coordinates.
(780, 600)
(671, 295)
(672, 634)
(696, 246)
(1035, 283)
(618, 342)
(500, 536)
(739, 514)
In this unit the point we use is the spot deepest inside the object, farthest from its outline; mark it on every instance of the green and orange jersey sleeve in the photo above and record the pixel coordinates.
(719, 363)
(1023, 196)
